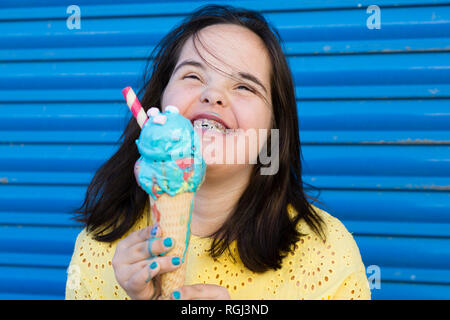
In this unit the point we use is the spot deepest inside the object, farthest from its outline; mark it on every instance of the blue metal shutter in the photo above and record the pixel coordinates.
(374, 125)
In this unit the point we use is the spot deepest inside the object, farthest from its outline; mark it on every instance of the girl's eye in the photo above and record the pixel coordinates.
(245, 88)
(191, 76)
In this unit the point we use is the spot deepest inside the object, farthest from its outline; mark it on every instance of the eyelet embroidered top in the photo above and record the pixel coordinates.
(314, 269)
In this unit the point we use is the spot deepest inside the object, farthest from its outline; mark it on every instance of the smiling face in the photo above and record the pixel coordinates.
(223, 76)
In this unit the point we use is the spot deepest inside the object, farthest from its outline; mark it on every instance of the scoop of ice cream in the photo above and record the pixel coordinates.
(171, 161)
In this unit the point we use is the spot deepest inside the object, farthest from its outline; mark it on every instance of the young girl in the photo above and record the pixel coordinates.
(253, 235)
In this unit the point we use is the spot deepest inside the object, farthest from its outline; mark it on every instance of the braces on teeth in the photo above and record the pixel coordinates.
(209, 124)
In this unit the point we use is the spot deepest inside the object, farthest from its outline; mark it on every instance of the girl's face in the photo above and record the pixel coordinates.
(206, 90)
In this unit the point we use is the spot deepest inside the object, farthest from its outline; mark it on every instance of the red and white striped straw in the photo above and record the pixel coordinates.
(135, 106)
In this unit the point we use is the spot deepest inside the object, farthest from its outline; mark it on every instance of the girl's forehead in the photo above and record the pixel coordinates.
(229, 48)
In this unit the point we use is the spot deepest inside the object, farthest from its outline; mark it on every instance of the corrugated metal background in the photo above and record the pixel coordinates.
(373, 103)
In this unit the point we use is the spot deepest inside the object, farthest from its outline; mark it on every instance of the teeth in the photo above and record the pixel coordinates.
(209, 124)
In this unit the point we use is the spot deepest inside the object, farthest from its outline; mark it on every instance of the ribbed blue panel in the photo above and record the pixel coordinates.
(374, 124)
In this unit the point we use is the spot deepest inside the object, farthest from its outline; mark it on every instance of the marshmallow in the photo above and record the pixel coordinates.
(160, 119)
(152, 112)
(172, 109)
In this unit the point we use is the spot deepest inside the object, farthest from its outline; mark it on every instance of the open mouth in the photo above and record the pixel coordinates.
(209, 124)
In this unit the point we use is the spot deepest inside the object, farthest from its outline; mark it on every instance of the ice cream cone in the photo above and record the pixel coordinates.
(173, 214)
(171, 169)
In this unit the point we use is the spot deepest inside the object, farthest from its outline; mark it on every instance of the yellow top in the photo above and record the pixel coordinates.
(316, 269)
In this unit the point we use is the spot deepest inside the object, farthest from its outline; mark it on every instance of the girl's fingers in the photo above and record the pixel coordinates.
(155, 231)
(135, 237)
(159, 246)
(140, 281)
(150, 248)
(201, 292)
(148, 269)
(167, 264)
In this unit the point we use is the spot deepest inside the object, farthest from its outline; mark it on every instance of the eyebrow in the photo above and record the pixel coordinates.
(243, 75)
(252, 78)
(189, 63)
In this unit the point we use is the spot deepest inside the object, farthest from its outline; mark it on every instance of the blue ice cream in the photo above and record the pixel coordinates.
(171, 161)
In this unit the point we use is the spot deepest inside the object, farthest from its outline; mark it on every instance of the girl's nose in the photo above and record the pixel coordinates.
(213, 97)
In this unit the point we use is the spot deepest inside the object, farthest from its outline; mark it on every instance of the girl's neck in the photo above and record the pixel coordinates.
(215, 200)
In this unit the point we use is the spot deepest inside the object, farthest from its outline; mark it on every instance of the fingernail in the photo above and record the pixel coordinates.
(168, 242)
(176, 294)
(153, 231)
(176, 261)
(153, 265)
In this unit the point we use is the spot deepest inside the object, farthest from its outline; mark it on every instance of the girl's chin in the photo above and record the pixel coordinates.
(223, 172)
(221, 150)
(214, 166)
(221, 159)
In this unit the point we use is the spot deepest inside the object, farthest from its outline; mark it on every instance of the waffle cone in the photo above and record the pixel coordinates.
(174, 215)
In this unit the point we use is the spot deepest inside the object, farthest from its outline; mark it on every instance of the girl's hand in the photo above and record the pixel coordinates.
(201, 292)
(135, 268)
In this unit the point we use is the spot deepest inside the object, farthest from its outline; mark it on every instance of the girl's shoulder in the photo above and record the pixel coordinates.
(335, 253)
(91, 254)
(86, 239)
(334, 230)
(92, 275)
(328, 267)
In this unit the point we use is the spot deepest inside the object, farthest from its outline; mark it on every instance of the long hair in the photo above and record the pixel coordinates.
(260, 223)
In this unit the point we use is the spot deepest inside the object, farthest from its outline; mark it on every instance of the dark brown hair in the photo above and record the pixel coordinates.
(260, 223)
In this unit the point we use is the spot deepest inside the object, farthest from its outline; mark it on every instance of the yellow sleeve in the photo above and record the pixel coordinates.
(354, 287)
(351, 280)
(76, 286)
